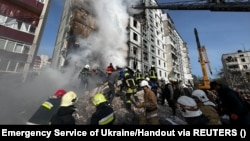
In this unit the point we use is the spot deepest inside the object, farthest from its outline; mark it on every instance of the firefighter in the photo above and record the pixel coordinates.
(191, 112)
(113, 78)
(54, 100)
(207, 107)
(104, 114)
(130, 88)
(84, 76)
(47, 109)
(138, 78)
(153, 73)
(65, 114)
(149, 104)
(110, 69)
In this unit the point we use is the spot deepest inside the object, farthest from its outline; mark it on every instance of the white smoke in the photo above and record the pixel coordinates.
(109, 43)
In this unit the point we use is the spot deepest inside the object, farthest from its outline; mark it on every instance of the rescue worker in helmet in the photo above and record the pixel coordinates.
(84, 76)
(138, 78)
(65, 114)
(113, 84)
(110, 69)
(47, 109)
(54, 101)
(207, 107)
(153, 73)
(130, 88)
(150, 105)
(191, 112)
(104, 114)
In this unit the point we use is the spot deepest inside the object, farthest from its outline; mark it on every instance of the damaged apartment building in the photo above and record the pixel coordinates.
(152, 40)
(76, 21)
(21, 23)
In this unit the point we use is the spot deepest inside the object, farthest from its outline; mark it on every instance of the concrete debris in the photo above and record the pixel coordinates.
(123, 116)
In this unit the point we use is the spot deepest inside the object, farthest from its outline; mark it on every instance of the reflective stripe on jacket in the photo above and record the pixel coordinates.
(47, 105)
(106, 120)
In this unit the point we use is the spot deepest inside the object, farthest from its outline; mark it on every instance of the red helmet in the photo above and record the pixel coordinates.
(60, 93)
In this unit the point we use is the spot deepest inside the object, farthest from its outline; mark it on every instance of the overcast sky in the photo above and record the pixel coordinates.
(219, 32)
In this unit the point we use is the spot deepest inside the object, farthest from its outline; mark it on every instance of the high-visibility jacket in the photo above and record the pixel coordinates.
(44, 113)
(152, 74)
(138, 76)
(104, 115)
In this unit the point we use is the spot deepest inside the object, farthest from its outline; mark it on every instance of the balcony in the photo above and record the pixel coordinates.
(16, 35)
(33, 5)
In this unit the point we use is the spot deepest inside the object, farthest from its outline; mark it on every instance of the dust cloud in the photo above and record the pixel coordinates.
(108, 44)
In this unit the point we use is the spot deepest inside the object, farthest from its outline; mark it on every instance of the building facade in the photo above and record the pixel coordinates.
(152, 40)
(21, 26)
(236, 68)
(76, 21)
(158, 43)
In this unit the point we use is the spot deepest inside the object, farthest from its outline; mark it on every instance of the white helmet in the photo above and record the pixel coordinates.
(86, 66)
(188, 107)
(201, 95)
(144, 83)
(69, 99)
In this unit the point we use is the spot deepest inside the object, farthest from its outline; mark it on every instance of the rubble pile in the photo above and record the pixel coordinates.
(123, 116)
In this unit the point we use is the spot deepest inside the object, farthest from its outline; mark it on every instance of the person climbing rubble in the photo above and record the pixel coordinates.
(130, 88)
(113, 78)
(84, 76)
(110, 68)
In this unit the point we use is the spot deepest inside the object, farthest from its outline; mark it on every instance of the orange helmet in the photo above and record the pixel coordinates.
(60, 93)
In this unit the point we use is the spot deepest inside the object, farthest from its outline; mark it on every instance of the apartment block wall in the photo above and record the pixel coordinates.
(21, 23)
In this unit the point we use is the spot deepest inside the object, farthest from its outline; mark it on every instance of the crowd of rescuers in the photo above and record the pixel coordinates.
(218, 106)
